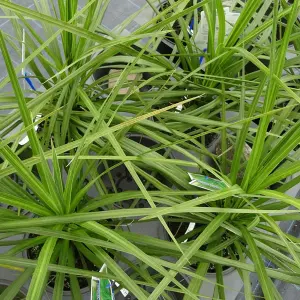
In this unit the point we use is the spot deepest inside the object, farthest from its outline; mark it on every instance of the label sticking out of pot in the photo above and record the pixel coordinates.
(114, 80)
(205, 182)
(25, 140)
(201, 38)
(101, 289)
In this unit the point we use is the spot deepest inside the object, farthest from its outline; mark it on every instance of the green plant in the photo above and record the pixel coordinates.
(85, 125)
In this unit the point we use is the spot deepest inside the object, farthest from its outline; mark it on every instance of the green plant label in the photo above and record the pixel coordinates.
(95, 288)
(101, 289)
(206, 182)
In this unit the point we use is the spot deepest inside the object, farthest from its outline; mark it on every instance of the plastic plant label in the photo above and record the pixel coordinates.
(112, 82)
(201, 37)
(25, 140)
(95, 288)
(179, 108)
(227, 3)
(101, 289)
(205, 182)
(123, 291)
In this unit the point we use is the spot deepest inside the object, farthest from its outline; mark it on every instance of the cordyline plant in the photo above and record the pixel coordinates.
(85, 129)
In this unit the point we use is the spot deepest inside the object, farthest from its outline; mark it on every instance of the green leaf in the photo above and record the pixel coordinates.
(29, 178)
(280, 196)
(27, 119)
(26, 244)
(134, 250)
(24, 203)
(243, 21)
(25, 113)
(258, 264)
(118, 272)
(57, 173)
(40, 274)
(75, 288)
(13, 289)
(220, 280)
(211, 196)
(277, 157)
(60, 277)
(195, 284)
(200, 240)
(245, 274)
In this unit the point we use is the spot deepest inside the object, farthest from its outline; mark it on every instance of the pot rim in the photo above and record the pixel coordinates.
(164, 40)
(145, 75)
(185, 277)
(6, 282)
(225, 272)
(212, 274)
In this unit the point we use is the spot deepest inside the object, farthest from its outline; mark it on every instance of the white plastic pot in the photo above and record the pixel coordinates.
(125, 295)
(5, 283)
(67, 295)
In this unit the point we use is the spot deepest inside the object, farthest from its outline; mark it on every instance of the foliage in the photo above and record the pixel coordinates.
(245, 92)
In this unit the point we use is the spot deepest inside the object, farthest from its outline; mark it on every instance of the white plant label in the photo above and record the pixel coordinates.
(201, 38)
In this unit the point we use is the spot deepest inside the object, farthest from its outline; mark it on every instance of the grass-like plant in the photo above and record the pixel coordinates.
(85, 126)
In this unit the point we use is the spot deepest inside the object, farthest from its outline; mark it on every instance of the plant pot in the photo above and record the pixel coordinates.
(67, 295)
(180, 229)
(8, 276)
(281, 27)
(123, 180)
(291, 228)
(166, 48)
(167, 45)
(126, 295)
(5, 283)
(176, 26)
(231, 276)
(250, 67)
(84, 283)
